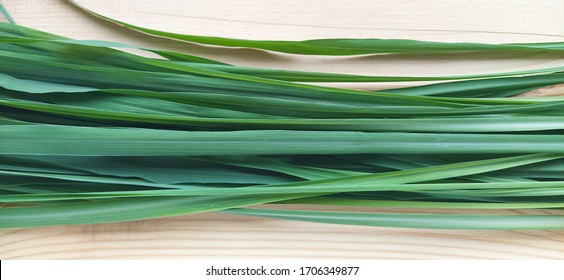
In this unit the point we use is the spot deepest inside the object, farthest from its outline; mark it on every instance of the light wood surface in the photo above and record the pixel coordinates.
(217, 235)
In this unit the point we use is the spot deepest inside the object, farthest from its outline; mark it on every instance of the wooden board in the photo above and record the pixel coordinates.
(223, 236)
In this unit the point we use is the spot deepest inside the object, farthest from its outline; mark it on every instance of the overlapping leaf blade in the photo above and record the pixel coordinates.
(92, 134)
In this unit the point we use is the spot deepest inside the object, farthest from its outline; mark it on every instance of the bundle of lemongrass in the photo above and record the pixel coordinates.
(92, 134)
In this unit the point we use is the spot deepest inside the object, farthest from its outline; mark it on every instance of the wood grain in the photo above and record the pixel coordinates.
(215, 235)
(209, 236)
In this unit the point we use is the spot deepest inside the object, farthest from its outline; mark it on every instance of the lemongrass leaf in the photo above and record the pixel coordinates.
(123, 210)
(436, 221)
(6, 14)
(345, 46)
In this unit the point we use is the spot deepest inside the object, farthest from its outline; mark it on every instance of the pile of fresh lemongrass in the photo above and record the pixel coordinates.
(93, 134)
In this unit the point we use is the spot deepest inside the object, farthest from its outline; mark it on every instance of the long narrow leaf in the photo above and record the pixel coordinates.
(437, 221)
(340, 46)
